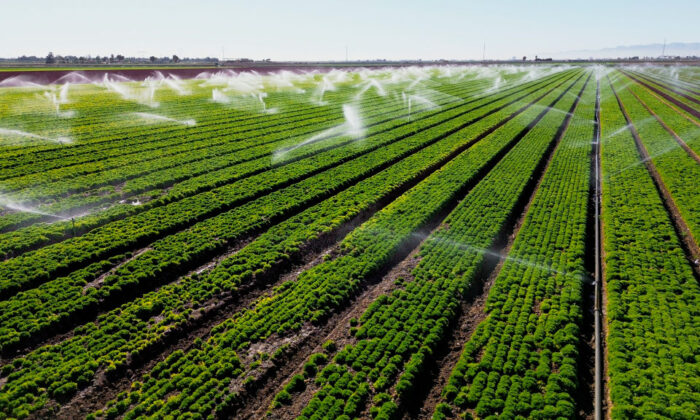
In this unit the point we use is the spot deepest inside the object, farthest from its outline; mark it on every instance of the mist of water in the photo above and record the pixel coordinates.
(424, 103)
(154, 118)
(58, 99)
(73, 77)
(13, 205)
(19, 81)
(637, 125)
(26, 135)
(371, 84)
(219, 97)
(352, 127)
(507, 258)
(671, 148)
(324, 86)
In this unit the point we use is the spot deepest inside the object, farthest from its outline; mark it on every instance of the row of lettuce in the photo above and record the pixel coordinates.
(525, 363)
(674, 165)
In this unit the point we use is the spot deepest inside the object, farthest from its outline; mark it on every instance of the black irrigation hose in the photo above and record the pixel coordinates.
(597, 307)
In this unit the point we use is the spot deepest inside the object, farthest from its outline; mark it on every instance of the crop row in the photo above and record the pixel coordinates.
(690, 110)
(326, 288)
(210, 148)
(652, 296)
(138, 321)
(293, 106)
(201, 136)
(522, 360)
(684, 77)
(199, 146)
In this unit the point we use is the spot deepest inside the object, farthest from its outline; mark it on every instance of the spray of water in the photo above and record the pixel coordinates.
(154, 118)
(637, 124)
(324, 86)
(369, 84)
(19, 81)
(25, 135)
(144, 95)
(424, 103)
(171, 81)
(642, 161)
(73, 77)
(219, 97)
(14, 205)
(352, 127)
(58, 99)
(484, 251)
(260, 96)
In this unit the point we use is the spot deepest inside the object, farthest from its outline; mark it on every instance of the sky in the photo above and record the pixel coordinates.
(321, 30)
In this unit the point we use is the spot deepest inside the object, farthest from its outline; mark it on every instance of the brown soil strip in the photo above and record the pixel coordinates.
(96, 283)
(695, 113)
(679, 140)
(687, 241)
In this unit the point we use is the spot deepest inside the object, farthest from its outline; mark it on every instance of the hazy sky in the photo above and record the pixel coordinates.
(321, 29)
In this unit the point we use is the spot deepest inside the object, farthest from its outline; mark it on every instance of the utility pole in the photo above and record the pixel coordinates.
(484, 54)
(346, 53)
(663, 50)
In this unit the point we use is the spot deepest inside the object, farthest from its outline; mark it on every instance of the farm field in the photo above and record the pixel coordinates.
(412, 242)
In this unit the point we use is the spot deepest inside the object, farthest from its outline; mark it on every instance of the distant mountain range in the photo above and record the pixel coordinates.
(682, 49)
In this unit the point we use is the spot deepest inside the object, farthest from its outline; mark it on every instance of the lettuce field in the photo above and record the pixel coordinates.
(413, 242)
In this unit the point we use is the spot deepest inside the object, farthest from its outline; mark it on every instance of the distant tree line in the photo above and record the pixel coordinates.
(51, 58)
(114, 59)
